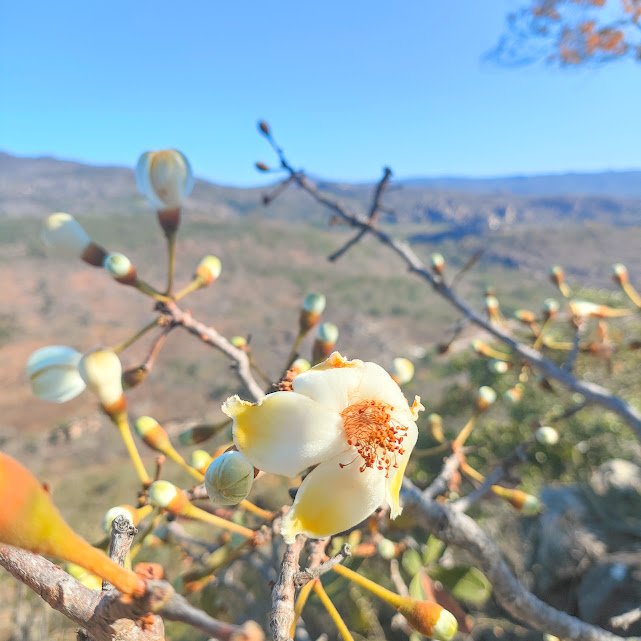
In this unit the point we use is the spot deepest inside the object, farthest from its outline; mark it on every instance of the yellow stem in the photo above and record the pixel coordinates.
(539, 338)
(258, 511)
(148, 290)
(470, 471)
(171, 250)
(393, 599)
(195, 284)
(150, 528)
(433, 450)
(295, 348)
(333, 612)
(564, 289)
(176, 458)
(490, 352)
(122, 423)
(201, 515)
(558, 345)
(303, 595)
(632, 293)
(135, 337)
(463, 435)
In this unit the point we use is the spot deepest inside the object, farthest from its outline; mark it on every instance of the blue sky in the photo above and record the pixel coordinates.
(347, 86)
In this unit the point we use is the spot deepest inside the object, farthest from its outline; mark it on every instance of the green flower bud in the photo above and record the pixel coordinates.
(229, 478)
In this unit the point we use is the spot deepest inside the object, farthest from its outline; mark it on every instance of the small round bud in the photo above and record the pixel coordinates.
(64, 235)
(620, 273)
(53, 373)
(556, 273)
(120, 510)
(402, 370)
(314, 303)
(261, 166)
(550, 307)
(101, 371)
(491, 304)
(120, 267)
(514, 394)
(166, 495)
(300, 365)
(547, 435)
(264, 128)
(525, 316)
(497, 366)
(430, 619)
(437, 263)
(238, 341)
(209, 269)
(152, 433)
(386, 549)
(164, 177)
(526, 503)
(200, 460)
(485, 397)
(229, 478)
(328, 333)
(197, 434)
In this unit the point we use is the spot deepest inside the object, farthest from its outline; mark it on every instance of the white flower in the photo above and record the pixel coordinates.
(164, 177)
(53, 373)
(351, 421)
(64, 235)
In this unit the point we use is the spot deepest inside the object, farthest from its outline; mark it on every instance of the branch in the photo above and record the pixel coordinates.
(282, 614)
(122, 536)
(458, 529)
(317, 569)
(210, 336)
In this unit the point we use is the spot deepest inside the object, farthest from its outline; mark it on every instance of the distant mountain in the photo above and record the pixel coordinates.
(451, 206)
(619, 184)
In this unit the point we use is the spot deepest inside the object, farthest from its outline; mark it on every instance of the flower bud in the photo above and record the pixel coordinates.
(485, 397)
(402, 371)
(386, 549)
(200, 460)
(491, 305)
(620, 274)
(165, 178)
(261, 166)
(430, 619)
(526, 503)
(53, 373)
(558, 278)
(208, 269)
(239, 342)
(134, 376)
(497, 366)
(550, 308)
(120, 267)
(167, 496)
(437, 263)
(325, 342)
(547, 435)
(311, 309)
(229, 478)
(264, 128)
(582, 309)
(300, 365)
(101, 371)
(65, 236)
(128, 511)
(435, 426)
(197, 434)
(514, 394)
(525, 316)
(152, 433)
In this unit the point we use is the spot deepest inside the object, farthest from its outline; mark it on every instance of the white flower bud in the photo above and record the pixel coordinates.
(101, 371)
(547, 435)
(485, 397)
(314, 303)
(162, 493)
(229, 478)
(118, 265)
(53, 373)
(209, 269)
(328, 333)
(111, 514)
(402, 370)
(64, 235)
(164, 177)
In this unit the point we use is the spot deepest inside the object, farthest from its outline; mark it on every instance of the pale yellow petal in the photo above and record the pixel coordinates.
(376, 384)
(332, 387)
(333, 498)
(395, 480)
(285, 432)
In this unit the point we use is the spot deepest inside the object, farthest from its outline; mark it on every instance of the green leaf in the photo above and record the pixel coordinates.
(433, 550)
(416, 588)
(465, 583)
(412, 561)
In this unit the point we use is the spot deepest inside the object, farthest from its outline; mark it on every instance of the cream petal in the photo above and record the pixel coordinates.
(334, 498)
(53, 373)
(143, 180)
(393, 483)
(285, 432)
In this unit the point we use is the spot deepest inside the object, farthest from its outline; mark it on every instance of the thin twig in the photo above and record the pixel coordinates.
(440, 484)
(314, 571)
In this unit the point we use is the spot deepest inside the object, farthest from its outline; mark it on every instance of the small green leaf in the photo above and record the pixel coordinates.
(416, 588)
(412, 561)
(433, 550)
(465, 583)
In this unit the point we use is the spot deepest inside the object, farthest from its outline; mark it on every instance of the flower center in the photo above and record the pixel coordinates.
(370, 429)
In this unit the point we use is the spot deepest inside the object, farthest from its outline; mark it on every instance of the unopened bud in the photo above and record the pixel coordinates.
(435, 426)
(402, 370)
(558, 278)
(514, 394)
(497, 366)
(239, 342)
(167, 496)
(134, 376)
(229, 478)
(261, 166)
(582, 309)
(197, 434)
(152, 433)
(200, 460)
(325, 342)
(491, 304)
(437, 263)
(526, 503)
(311, 309)
(165, 178)
(120, 267)
(53, 373)
(550, 308)
(65, 236)
(620, 274)
(264, 128)
(300, 365)
(485, 397)
(102, 372)
(128, 511)
(386, 549)
(547, 435)
(208, 269)
(430, 619)
(525, 316)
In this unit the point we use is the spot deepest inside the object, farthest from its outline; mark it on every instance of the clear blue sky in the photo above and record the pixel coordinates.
(347, 86)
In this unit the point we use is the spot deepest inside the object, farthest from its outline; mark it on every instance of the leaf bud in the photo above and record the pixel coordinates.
(402, 370)
(229, 478)
(264, 128)
(53, 373)
(261, 166)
